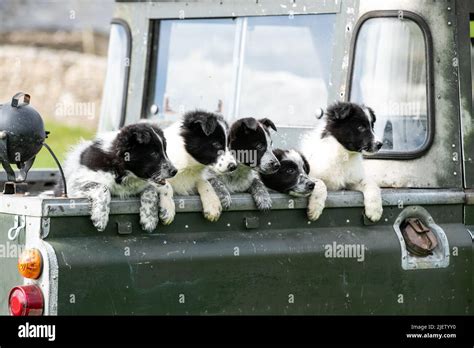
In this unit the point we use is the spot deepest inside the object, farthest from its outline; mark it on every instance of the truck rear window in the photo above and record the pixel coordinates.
(272, 66)
(390, 75)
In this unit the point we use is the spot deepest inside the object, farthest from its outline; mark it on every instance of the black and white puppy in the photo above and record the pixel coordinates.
(251, 145)
(198, 147)
(334, 151)
(292, 177)
(123, 163)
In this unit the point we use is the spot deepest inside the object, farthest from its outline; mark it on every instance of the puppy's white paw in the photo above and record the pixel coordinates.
(263, 202)
(226, 201)
(149, 222)
(374, 210)
(317, 200)
(212, 209)
(149, 209)
(99, 198)
(315, 208)
(167, 210)
(100, 219)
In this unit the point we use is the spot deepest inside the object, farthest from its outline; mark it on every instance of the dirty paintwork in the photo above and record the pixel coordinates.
(277, 262)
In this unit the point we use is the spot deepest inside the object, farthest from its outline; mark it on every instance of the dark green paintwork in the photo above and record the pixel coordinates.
(275, 261)
(287, 257)
(9, 276)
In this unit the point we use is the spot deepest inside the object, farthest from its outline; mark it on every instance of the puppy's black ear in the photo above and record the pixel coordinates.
(305, 163)
(372, 114)
(134, 133)
(208, 124)
(278, 154)
(339, 111)
(142, 136)
(249, 122)
(268, 123)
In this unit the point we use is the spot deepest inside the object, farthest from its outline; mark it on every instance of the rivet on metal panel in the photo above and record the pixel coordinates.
(400, 14)
(449, 23)
(251, 222)
(154, 109)
(124, 227)
(455, 156)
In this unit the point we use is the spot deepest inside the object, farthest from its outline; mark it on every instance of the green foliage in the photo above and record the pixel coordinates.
(60, 139)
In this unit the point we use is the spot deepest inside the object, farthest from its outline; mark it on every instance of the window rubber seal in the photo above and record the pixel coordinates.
(406, 155)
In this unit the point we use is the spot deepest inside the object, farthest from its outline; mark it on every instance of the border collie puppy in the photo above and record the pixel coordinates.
(292, 176)
(251, 144)
(124, 163)
(198, 147)
(335, 151)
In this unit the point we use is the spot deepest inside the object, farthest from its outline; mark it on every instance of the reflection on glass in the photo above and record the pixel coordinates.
(390, 77)
(194, 66)
(112, 99)
(286, 68)
(273, 66)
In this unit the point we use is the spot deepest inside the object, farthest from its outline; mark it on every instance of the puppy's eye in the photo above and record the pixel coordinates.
(216, 145)
(260, 147)
(290, 171)
(361, 128)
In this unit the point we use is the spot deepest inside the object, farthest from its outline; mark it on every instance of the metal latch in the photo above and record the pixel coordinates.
(124, 227)
(17, 227)
(251, 222)
(419, 239)
(423, 243)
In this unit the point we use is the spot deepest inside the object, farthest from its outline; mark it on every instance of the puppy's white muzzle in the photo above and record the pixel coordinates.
(225, 162)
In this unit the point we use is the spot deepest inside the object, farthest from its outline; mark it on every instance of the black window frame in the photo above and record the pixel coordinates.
(417, 19)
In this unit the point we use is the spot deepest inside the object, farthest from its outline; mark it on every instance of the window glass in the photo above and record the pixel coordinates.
(272, 66)
(118, 64)
(389, 75)
(194, 67)
(286, 68)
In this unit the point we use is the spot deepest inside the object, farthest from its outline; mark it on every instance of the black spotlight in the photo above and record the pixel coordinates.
(22, 136)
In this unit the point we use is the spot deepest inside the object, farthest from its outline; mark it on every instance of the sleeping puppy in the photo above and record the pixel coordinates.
(198, 147)
(251, 144)
(335, 151)
(292, 176)
(123, 163)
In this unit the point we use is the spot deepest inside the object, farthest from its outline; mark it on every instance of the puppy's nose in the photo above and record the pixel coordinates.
(378, 145)
(231, 167)
(173, 172)
(311, 185)
(275, 166)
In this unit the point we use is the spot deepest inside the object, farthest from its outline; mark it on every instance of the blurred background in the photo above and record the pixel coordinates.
(55, 50)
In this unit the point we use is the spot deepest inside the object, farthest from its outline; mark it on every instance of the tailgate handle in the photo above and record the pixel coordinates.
(419, 239)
